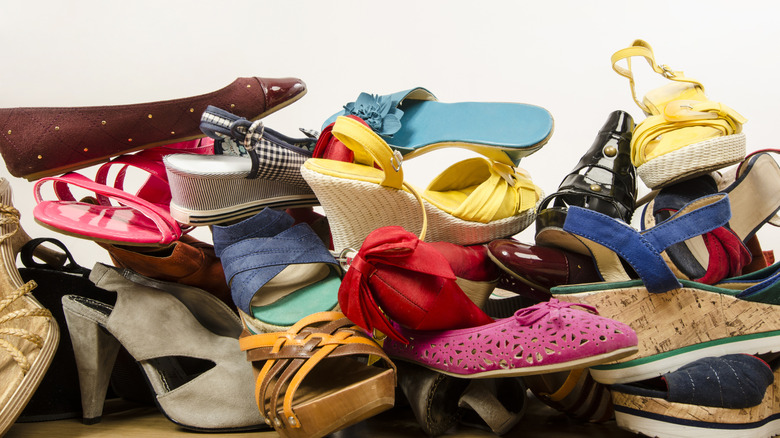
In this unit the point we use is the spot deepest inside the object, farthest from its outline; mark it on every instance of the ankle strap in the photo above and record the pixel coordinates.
(643, 49)
(643, 250)
(369, 148)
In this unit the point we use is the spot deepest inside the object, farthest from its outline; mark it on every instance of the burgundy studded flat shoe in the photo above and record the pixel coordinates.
(39, 142)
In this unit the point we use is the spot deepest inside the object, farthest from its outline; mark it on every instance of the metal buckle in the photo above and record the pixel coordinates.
(668, 73)
(396, 160)
(345, 258)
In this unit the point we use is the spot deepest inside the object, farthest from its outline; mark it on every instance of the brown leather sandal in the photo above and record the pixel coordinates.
(309, 382)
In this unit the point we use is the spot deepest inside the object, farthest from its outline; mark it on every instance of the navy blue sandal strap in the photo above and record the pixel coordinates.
(643, 250)
(251, 263)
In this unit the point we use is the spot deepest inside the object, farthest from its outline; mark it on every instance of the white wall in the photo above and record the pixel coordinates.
(550, 53)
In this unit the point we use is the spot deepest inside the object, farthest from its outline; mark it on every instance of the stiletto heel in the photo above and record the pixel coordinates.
(95, 351)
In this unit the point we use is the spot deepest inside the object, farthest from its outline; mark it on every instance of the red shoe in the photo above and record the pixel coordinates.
(396, 276)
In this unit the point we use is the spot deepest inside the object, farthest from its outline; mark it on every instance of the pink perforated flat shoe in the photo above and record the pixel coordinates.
(544, 338)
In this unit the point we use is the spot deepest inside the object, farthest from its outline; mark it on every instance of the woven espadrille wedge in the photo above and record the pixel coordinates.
(677, 321)
(685, 134)
(28, 332)
(473, 201)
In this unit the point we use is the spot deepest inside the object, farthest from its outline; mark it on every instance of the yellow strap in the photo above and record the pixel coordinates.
(369, 148)
(643, 49)
(568, 385)
(483, 204)
(725, 120)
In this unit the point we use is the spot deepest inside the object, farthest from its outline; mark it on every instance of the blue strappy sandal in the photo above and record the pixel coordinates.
(278, 272)
(414, 122)
(677, 321)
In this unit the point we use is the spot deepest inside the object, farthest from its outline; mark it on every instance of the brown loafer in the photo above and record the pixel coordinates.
(542, 267)
(186, 261)
(39, 142)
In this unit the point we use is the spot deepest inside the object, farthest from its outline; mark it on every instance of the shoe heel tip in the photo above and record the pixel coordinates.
(91, 421)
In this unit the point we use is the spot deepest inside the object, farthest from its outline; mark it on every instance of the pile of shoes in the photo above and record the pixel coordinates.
(307, 320)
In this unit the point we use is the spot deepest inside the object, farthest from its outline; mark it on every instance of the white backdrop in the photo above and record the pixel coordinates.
(551, 53)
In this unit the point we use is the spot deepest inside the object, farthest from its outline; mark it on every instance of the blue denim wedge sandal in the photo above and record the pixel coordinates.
(278, 273)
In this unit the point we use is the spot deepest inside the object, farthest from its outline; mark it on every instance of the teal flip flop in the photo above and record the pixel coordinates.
(414, 122)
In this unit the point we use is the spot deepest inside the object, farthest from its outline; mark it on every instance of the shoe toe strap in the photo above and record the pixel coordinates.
(643, 250)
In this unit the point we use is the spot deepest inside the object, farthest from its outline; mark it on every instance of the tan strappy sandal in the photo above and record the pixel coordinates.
(28, 333)
(313, 379)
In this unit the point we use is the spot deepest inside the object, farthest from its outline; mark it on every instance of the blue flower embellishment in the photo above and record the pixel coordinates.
(380, 112)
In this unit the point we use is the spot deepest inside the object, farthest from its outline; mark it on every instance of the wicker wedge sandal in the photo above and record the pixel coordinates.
(685, 134)
(473, 201)
(313, 380)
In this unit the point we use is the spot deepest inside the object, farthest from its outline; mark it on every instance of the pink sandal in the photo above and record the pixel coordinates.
(544, 338)
(141, 219)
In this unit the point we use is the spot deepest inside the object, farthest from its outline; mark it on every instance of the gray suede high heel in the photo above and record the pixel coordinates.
(184, 339)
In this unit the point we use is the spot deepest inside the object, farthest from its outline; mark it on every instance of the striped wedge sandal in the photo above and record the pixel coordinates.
(258, 168)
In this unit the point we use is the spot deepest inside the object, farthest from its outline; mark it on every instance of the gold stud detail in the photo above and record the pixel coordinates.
(56, 128)
(40, 156)
(129, 139)
(610, 151)
(192, 110)
(173, 132)
(232, 105)
(86, 149)
(150, 116)
(9, 132)
(595, 187)
(249, 85)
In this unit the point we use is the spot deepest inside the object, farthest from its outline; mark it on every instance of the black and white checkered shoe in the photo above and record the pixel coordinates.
(256, 167)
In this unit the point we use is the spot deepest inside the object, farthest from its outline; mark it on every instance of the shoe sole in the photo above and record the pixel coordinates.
(541, 369)
(693, 160)
(678, 326)
(198, 217)
(356, 208)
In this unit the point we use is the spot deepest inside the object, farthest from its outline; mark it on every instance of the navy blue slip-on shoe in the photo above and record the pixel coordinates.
(734, 395)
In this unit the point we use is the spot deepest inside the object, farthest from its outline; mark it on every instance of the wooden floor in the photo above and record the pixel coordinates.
(124, 419)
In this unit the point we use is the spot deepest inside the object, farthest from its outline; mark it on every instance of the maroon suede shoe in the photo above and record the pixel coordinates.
(39, 142)
(542, 267)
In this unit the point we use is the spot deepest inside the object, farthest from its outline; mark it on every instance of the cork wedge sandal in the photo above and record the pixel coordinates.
(677, 321)
(310, 379)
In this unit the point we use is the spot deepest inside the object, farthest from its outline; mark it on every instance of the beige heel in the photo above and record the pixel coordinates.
(95, 351)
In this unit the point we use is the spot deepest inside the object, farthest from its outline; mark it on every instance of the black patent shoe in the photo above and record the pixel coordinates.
(604, 180)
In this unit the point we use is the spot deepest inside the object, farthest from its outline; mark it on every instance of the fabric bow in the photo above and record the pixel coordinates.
(550, 310)
(409, 303)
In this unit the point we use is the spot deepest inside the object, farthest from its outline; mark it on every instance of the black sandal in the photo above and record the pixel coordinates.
(604, 180)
